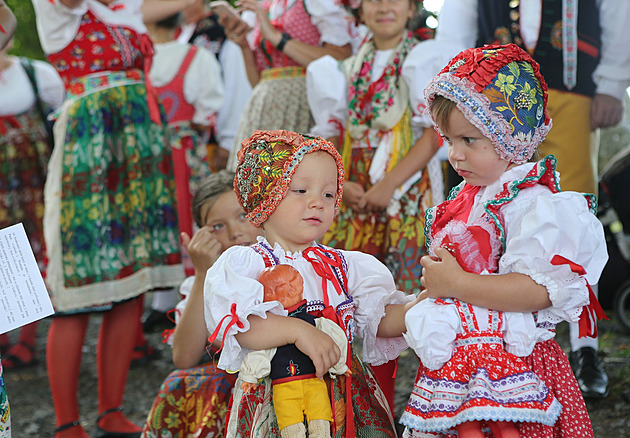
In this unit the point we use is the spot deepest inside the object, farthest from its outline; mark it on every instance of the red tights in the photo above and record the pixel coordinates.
(116, 339)
(500, 429)
(386, 376)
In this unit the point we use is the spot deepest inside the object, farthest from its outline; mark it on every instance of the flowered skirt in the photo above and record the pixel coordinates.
(191, 403)
(24, 154)
(550, 363)
(278, 101)
(252, 414)
(481, 382)
(5, 411)
(394, 236)
(111, 218)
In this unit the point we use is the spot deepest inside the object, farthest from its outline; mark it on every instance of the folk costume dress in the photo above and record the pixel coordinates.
(110, 222)
(25, 147)
(188, 82)
(549, 235)
(351, 288)
(279, 100)
(375, 96)
(192, 401)
(209, 34)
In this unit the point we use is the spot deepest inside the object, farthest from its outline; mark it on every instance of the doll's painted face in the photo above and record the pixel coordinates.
(282, 283)
(471, 154)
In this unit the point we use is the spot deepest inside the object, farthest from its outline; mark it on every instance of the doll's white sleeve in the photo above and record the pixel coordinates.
(256, 364)
(339, 337)
(546, 236)
(431, 331)
(372, 287)
(231, 294)
(519, 335)
(326, 91)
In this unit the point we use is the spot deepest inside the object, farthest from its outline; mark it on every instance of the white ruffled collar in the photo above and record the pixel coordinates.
(279, 251)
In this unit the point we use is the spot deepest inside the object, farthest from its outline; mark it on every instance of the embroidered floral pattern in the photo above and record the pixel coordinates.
(500, 90)
(266, 164)
(117, 210)
(191, 402)
(367, 99)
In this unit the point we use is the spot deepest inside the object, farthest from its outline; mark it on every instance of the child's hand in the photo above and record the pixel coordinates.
(204, 249)
(377, 198)
(441, 275)
(319, 347)
(352, 194)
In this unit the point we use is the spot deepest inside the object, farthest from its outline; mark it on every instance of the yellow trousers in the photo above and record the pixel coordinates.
(572, 142)
(295, 399)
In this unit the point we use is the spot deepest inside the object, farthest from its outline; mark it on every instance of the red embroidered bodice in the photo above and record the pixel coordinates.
(296, 22)
(99, 47)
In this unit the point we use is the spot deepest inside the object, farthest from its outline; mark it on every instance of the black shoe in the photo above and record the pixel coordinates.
(102, 433)
(155, 321)
(589, 373)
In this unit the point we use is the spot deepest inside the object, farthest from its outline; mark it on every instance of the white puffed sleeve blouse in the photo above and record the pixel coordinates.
(231, 290)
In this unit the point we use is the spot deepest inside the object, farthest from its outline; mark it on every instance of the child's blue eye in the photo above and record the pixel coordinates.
(243, 216)
(217, 227)
(468, 140)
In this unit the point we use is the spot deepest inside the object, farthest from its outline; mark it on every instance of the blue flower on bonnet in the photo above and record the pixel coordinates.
(500, 90)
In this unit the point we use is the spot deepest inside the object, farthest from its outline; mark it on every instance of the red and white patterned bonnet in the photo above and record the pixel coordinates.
(266, 164)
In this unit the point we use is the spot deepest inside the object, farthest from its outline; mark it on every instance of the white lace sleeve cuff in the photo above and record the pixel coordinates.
(376, 350)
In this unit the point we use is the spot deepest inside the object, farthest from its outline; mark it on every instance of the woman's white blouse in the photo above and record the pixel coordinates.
(57, 25)
(203, 85)
(16, 91)
(232, 280)
(327, 87)
(330, 19)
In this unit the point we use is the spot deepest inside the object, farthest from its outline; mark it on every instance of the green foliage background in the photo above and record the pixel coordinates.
(25, 41)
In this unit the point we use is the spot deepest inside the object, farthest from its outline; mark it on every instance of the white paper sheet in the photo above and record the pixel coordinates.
(23, 294)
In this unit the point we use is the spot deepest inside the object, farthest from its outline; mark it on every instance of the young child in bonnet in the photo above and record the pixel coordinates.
(509, 240)
(290, 185)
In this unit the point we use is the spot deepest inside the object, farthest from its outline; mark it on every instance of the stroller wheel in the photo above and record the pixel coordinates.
(622, 306)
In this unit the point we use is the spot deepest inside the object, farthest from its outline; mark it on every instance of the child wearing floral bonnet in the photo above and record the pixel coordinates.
(510, 256)
(290, 185)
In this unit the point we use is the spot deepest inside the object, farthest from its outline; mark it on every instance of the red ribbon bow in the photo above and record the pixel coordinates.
(588, 325)
(234, 319)
(323, 264)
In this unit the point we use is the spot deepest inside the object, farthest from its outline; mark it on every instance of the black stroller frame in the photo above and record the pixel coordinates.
(614, 214)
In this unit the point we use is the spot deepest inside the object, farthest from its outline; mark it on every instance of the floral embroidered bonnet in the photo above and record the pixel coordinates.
(266, 164)
(500, 90)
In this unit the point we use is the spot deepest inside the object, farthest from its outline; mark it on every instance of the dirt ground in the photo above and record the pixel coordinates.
(33, 415)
